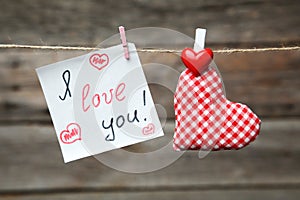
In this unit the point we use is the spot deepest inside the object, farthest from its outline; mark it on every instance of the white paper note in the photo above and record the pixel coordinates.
(99, 102)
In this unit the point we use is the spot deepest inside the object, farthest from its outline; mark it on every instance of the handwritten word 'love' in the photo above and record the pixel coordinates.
(96, 98)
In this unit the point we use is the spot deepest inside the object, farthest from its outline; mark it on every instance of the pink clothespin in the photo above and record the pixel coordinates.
(124, 42)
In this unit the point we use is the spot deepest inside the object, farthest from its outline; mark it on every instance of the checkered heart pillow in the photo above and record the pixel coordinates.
(205, 119)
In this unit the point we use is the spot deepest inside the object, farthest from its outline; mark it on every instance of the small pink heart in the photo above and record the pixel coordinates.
(197, 62)
(71, 134)
(149, 129)
(99, 61)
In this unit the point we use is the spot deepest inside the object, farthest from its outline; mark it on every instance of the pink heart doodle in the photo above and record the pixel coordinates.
(99, 61)
(149, 129)
(71, 134)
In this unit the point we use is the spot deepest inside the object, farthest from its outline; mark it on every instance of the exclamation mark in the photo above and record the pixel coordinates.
(144, 98)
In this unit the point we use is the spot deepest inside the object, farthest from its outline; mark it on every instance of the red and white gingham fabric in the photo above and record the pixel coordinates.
(206, 120)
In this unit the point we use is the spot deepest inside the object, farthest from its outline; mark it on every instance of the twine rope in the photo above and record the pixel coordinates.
(78, 48)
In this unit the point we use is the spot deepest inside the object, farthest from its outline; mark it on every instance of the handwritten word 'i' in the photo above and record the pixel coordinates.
(67, 78)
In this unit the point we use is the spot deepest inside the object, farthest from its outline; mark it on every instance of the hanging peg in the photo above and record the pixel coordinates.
(199, 39)
(124, 42)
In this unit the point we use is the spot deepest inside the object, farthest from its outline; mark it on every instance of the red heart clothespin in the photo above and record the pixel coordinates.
(197, 62)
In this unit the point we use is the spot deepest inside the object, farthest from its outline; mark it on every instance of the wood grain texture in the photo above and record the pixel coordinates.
(89, 22)
(31, 160)
(31, 165)
(267, 82)
(291, 194)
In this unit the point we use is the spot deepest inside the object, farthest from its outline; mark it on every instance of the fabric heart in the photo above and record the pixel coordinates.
(205, 119)
(196, 62)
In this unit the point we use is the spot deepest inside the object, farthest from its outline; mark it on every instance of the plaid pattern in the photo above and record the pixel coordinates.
(206, 120)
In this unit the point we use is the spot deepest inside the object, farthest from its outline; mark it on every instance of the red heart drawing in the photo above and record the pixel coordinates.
(99, 61)
(149, 129)
(206, 120)
(196, 62)
(71, 134)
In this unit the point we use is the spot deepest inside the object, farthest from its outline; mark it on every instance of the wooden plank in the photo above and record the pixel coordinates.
(31, 160)
(74, 22)
(175, 195)
(267, 82)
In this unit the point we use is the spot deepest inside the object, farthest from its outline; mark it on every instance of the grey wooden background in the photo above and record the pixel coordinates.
(31, 166)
